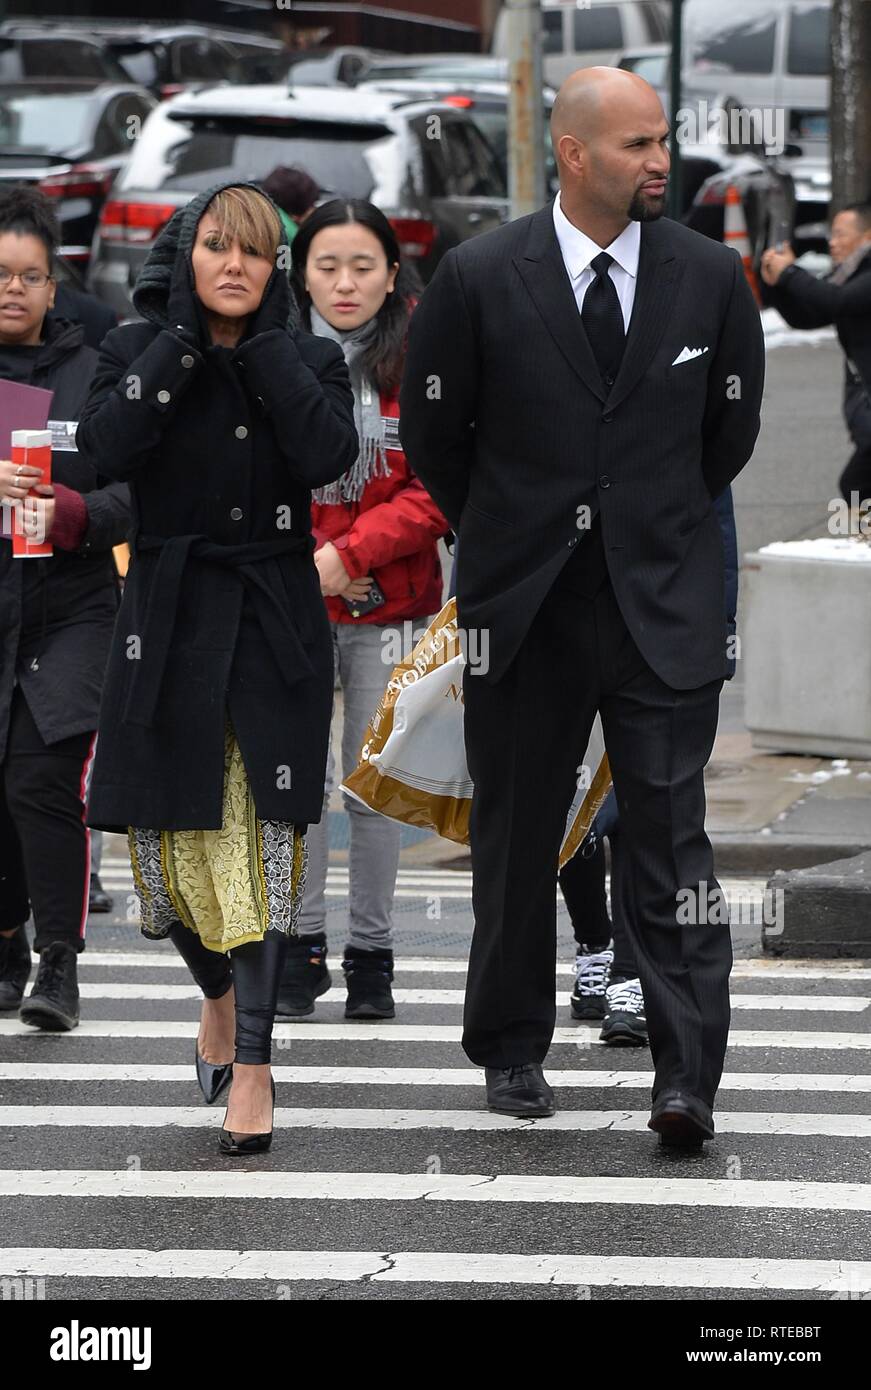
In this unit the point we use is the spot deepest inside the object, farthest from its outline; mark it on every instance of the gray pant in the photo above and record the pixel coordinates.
(364, 657)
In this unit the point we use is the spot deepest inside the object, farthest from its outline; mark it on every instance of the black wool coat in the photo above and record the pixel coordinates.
(222, 610)
(57, 613)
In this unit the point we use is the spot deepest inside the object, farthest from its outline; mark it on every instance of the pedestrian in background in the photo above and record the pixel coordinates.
(844, 299)
(56, 619)
(295, 193)
(216, 708)
(376, 530)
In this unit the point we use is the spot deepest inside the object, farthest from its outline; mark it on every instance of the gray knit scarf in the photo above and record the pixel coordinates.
(372, 458)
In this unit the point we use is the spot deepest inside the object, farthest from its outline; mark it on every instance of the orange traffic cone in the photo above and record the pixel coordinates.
(735, 234)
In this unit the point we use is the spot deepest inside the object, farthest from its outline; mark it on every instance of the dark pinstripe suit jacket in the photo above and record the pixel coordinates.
(504, 417)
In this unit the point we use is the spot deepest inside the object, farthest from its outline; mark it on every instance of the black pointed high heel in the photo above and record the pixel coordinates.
(239, 1144)
(212, 1079)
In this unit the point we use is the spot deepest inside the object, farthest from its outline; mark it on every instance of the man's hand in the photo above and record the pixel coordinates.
(774, 263)
(335, 579)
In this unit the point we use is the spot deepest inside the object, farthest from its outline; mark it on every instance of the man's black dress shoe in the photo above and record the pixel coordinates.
(520, 1091)
(681, 1120)
(213, 1079)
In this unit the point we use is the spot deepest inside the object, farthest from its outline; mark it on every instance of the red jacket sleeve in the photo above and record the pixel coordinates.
(409, 522)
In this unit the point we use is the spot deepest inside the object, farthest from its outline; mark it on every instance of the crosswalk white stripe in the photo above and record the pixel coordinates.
(162, 959)
(790, 1003)
(546, 1188)
(580, 1035)
(842, 1082)
(444, 1267)
(836, 1126)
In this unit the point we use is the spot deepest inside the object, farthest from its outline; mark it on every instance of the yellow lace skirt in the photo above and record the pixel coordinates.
(229, 885)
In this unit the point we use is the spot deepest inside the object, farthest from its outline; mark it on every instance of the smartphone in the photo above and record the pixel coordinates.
(357, 607)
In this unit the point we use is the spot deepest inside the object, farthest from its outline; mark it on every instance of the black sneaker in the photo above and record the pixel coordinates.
(368, 975)
(304, 976)
(625, 1024)
(53, 1003)
(592, 972)
(98, 898)
(14, 968)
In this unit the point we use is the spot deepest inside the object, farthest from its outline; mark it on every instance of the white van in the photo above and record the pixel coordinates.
(590, 32)
(768, 53)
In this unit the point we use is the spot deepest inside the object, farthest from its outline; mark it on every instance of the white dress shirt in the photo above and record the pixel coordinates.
(578, 250)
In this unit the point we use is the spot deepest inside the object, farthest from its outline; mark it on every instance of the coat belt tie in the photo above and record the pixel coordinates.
(247, 560)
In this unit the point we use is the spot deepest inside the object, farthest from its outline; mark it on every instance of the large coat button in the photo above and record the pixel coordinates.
(187, 360)
(241, 432)
(163, 397)
(236, 513)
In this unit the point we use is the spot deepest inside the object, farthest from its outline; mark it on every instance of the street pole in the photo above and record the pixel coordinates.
(674, 178)
(526, 187)
(850, 133)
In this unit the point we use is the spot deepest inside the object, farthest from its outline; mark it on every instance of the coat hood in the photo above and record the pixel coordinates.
(176, 240)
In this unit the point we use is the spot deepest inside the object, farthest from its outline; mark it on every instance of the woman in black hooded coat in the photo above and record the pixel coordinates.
(216, 709)
(56, 619)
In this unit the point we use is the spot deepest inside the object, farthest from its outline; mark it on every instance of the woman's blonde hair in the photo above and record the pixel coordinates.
(246, 215)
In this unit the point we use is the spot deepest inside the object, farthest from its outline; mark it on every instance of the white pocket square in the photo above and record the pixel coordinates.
(687, 354)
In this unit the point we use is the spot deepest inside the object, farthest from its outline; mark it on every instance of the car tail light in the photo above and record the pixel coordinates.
(414, 234)
(78, 181)
(462, 102)
(170, 89)
(135, 224)
(713, 193)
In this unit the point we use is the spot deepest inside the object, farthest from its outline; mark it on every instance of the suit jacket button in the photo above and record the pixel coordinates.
(187, 360)
(608, 416)
(236, 513)
(241, 432)
(163, 397)
(604, 481)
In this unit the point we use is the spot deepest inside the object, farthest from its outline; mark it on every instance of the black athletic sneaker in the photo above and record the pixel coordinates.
(625, 1024)
(304, 977)
(53, 1003)
(368, 975)
(592, 972)
(14, 968)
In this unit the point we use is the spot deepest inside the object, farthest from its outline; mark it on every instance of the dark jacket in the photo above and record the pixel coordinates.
(806, 302)
(222, 609)
(96, 318)
(506, 421)
(57, 614)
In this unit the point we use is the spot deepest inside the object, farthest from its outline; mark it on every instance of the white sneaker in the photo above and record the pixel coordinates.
(592, 971)
(625, 1024)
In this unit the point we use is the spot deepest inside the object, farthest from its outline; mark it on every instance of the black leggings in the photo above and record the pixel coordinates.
(254, 970)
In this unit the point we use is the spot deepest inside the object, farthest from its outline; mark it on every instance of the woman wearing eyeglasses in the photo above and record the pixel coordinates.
(56, 621)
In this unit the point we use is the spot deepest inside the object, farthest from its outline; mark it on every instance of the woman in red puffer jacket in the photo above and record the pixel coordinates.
(376, 533)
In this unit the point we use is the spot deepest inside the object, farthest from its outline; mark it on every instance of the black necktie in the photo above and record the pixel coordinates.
(602, 318)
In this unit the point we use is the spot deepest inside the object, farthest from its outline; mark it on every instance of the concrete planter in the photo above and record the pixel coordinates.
(806, 653)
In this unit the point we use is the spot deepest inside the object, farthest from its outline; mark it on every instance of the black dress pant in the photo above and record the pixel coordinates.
(45, 854)
(525, 738)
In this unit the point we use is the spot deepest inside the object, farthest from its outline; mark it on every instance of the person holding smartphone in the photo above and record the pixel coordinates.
(375, 530)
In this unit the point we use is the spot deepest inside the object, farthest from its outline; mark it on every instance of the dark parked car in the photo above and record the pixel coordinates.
(70, 138)
(167, 58)
(422, 161)
(33, 48)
